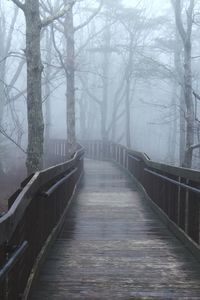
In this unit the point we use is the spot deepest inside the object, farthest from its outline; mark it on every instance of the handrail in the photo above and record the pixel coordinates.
(23, 200)
(13, 260)
(135, 158)
(186, 186)
(53, 188)
(190, 174)
(173, 190)
(33, 219)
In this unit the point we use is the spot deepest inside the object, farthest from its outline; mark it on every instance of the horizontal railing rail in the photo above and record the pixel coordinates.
(173, 189)
(35, 211)
(13, 260)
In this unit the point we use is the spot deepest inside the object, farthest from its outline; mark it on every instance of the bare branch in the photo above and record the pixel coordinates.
(57, 50)
(193, 147)
(196, 95)
(90, 18)
(10, 33)
(19, 4)
(16, 75)
(4, 133)
(58, 15)
(179, 23)
(89, 39)
(93, 97)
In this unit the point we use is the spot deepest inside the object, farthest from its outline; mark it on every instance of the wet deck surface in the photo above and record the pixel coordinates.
(114, 247)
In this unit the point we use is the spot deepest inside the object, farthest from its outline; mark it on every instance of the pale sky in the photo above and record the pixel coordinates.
(155, 7)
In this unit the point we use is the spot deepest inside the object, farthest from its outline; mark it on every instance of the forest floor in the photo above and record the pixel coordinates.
(9, 183)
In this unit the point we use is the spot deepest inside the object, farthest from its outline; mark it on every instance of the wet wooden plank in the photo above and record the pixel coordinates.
(113, 246)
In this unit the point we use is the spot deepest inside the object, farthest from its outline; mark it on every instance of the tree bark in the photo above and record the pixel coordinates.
(127, 113)
(34, 160)
(129, 70)
(70, 78)
(185, 35)
(182, 125)
(190, 118)
(48, 89)
(34, 25)
(106, 63)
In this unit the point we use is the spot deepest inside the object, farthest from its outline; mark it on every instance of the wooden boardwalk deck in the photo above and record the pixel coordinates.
(113, 246)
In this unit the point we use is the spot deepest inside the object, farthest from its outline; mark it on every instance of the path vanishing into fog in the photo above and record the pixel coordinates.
(113, 246)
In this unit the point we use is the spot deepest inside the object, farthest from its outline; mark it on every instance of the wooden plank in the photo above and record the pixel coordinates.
(113, 246)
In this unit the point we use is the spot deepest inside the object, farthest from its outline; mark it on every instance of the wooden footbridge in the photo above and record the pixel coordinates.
(108, 224)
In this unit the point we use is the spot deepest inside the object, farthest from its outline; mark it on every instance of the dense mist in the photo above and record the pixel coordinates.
(124, 71)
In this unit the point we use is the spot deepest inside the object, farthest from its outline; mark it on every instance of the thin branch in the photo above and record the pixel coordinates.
(10, 33)
(89, 39)
(89, 93)
(195, 57)
(90, 18)
(16, 75)
(196, 95)
(58, 15)
(192, 147)
(57, 50)
(19, 4)
(3, 132)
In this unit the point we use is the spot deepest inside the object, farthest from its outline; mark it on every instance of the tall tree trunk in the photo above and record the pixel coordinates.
(190, 118)
(127, 113)
(173, 127)
(48, 89)
(181, 101)
(47, 93)
(34, 25)
(114, 117)
(129, 70)
(83, 130)
(182, 125)
(177, 101)
(106, 64)
(70, 76)
(185, 35)
(34, 98)
(2, 69)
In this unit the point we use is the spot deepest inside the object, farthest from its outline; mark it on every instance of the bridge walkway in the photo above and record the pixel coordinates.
(113, 246)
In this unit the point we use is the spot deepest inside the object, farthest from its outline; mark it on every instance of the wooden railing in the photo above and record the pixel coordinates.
(36, 214)
(176, 191)
(56, 152)
(37, 210)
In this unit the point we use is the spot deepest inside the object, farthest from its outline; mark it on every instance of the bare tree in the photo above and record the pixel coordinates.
(6, 37)
(185, 34)
(34, 24)
(68, 29)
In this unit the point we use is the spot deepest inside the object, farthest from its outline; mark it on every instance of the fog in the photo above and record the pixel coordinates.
(136, 69)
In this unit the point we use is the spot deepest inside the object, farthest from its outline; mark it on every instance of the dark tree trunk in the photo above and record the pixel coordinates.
(190, 118)
(185, 35)
(129, 70)
(106, 64)
(48, 89)
(34, 98)
(83, 130)
(70, 76)
(127, 113)
(182, 141)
